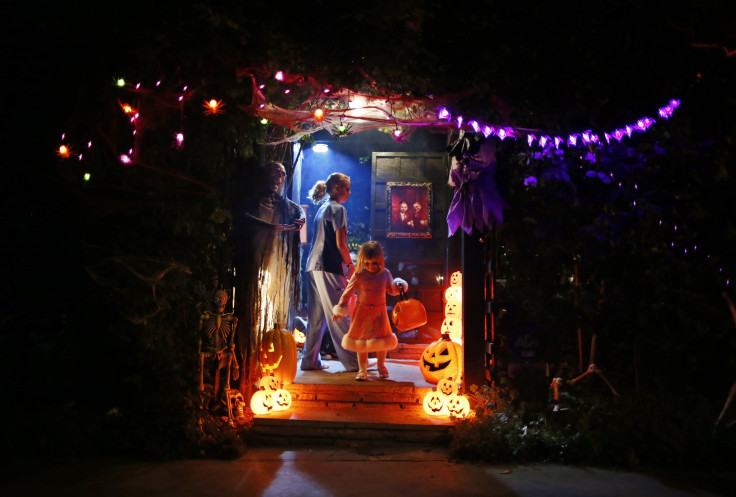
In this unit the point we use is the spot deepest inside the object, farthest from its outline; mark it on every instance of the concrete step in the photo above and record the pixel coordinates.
(372, 413)
(348, 433)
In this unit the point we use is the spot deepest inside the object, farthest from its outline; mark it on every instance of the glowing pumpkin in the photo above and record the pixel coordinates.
(447, 388)
(453, 326)
(299, 337)
(454, 293)
(269, 383)
(458, 406)
(456, 279)
(442, 359)
(278, 355)
(434, 404)
(281, 400)
(454, 308)
(261, 402)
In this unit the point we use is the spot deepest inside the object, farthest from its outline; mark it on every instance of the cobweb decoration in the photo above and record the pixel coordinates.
(343, 107)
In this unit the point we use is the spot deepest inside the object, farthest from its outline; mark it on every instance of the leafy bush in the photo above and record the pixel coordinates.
(634, 432)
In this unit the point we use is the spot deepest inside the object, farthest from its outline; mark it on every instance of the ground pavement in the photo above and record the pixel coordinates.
(325, 472)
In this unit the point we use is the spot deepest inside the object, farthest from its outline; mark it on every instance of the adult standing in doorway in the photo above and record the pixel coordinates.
(327, 266)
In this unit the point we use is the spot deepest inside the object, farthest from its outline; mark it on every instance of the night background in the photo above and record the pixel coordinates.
(98, 360)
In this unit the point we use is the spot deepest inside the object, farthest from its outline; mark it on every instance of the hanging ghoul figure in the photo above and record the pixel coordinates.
(267, 263)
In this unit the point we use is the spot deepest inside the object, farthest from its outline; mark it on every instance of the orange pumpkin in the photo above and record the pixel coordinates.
(442, 359)
(278, 355)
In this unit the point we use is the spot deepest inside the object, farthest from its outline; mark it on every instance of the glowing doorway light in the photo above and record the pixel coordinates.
(320, 148)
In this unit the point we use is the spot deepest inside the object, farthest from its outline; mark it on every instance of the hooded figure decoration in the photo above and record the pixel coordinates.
(268, 262)
(476, 202)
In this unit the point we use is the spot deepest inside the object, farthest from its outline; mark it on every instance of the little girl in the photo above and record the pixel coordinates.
(370, 329)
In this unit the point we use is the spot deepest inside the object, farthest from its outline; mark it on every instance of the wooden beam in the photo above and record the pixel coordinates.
(474, 309)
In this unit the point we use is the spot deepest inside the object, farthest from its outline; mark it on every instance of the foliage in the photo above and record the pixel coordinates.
(110, 275)
(646, 432)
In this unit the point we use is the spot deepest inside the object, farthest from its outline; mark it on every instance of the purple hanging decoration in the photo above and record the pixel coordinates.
(476, 202)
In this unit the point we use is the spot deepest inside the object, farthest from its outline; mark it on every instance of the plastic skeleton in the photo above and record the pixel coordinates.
(732, 391)
(218, 330)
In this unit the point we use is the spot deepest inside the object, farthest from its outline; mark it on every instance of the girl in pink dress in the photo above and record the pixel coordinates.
(370, 329)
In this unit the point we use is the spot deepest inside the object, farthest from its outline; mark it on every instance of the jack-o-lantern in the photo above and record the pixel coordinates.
(281, 400)
(442, 359)
(458, 406)
(269, 383)
(453, 326)
(278, 355)
(454, 293)
(454, 308)
(447, 387)
(299, 337)
(434, 404)
(261, 402)
(456, 279)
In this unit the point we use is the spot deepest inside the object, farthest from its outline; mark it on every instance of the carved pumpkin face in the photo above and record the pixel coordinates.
(261, 402)
(456, 279)
(454, 308)
(278, 355)
(442, 359)
(454, 293)
(281, 400)
(299, 337)
(452, 326)
(447, 388)
(269, 384)
(434, 404)
(458, 406)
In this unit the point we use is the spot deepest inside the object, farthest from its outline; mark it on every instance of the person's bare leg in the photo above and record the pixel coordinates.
(382, 370)
(362, 366)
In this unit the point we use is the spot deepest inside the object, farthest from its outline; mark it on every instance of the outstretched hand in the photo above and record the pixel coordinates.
(295, 226)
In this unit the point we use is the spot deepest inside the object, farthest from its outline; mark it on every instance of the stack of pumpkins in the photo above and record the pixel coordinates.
(443, 359)
(278, 359)
(445, 400)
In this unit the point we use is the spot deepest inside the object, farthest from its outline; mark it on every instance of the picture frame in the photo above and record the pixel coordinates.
(409, 208)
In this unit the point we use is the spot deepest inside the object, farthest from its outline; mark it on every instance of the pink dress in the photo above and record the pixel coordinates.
(370, 329)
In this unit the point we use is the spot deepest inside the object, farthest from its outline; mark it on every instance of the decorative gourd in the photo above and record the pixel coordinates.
(454, 293)
(281, 400)
(453, 326)
(442, 359)
(269, 383)
(261, 402)
(278, 355)
(447, 387)
(434, 404)
(458, 406)
(454, 308)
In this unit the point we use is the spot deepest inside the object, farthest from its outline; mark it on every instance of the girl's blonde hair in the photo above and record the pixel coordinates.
(368, 251)
(325, 188)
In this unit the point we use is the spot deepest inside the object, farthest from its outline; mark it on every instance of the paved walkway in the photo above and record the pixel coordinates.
(276, 472)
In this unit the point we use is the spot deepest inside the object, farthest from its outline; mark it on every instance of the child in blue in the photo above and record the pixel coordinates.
(370, 328)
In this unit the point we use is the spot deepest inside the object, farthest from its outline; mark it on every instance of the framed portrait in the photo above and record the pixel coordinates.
(409, 210)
